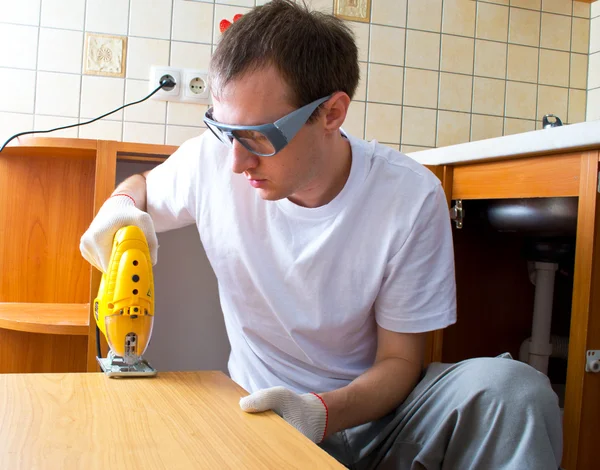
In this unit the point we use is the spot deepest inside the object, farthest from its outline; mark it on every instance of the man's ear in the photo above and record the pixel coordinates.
(335, 110)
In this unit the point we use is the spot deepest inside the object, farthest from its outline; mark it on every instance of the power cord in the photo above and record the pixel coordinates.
(166, 81)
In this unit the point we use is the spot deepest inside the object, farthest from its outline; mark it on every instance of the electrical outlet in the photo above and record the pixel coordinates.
(156, 74)
(195, 87)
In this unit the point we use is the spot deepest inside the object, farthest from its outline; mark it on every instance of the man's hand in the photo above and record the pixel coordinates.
(307, 413)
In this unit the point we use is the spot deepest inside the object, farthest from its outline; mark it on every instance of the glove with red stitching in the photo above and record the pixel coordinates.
(307, 412)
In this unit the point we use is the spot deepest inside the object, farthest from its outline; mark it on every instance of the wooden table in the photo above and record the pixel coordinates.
(177, 420)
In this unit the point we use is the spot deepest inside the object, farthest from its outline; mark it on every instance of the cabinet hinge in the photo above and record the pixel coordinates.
(457, 213)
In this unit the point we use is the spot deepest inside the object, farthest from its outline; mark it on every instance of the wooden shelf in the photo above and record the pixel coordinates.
(48, 318)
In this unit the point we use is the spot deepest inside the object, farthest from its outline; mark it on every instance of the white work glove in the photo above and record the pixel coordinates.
(116, 212)
(307, 412)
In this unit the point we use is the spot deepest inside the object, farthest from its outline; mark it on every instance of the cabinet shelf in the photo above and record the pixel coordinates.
(47, 318)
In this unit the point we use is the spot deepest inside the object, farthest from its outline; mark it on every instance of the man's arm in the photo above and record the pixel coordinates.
(382, 388)
(134, 186)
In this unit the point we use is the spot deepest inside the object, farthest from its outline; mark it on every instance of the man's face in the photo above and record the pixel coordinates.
(262, 97)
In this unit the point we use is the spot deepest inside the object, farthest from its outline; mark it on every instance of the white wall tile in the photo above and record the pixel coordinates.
(190, 55)
(361, 34)
(241, 3)
(354, 123)
(42, 123)
(594, 71)
(383, 122)
(107, 16)
(21, 11)
(361, 89)
(152, 111)
(143, 133)
(13, 123)
(387, 45)
(57, 94)
(595, 35)
(389, 12)
(60, 50)
(385, 84)
(325, 6)
(225, 12)
(24, 38)
(66, 14)
(595, 10)
(99, 95)
(17, 90)
(102, 129)
(142, 53)
(150, 18)
(593, 105)
(192, 21)
(177, 135)
(186, 114)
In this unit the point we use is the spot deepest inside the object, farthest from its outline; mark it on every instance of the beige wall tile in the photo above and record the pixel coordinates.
(389, 12)
(520, 100)
(103, 130)
(488, 96)
(52, 122)
(425, 14)
(580, 36)
(457, 54)
(517, 126)
(23, 56)
(522, 63)
(554, 68)
(108, 17)
(385, 84)
(142, 53)
(229, 11)
(422, 50)
(486, 127)
(177, 135)
(576, 106)
(361, 34)
(185, 114)
(594, 71)
(152, 111)
(17, 99)
(418, 126)
(595, 35)
(556, 31)
(579, 71)
(243, 3)
(354, 123)
(150, 19)
(455, 92)
(383, 122)
(421, 88)
(387, 45)
(406, 149)
(100, 95)
(524, 27)
(552, 100)
(593, 105)
(492, 21)
(192, 21)
(581, 9)
(490, 58)
(361, 90)
(557, 6)
(65, 103)
(190, 55)
(453, 128)
(531, 4)
(459, 17)
(66, 14)
(499, 2)
(144, 133)
(70, 45)
(22, 12)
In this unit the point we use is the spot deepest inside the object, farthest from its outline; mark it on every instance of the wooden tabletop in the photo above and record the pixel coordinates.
(176, 420)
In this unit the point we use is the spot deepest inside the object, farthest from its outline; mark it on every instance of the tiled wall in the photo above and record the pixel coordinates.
(434, 72)
(593, 101)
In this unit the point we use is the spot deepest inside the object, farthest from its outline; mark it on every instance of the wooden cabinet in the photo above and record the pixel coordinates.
(50, 190)
(495, 297)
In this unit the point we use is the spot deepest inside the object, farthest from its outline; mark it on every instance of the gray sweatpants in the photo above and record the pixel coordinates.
(484, 414)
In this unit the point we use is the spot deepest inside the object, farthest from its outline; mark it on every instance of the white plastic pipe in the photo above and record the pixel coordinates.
(540, 347)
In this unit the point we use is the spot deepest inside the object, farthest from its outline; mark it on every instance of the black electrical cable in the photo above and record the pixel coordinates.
(165, 82)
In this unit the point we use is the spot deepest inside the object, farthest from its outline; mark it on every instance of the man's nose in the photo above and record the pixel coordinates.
(243, 159)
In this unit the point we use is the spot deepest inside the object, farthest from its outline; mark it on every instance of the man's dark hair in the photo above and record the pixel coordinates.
(315, 53)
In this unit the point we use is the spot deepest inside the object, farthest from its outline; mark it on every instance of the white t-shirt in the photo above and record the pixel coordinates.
(302, 289)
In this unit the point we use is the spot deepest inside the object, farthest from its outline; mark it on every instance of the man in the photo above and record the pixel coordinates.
(334, 258)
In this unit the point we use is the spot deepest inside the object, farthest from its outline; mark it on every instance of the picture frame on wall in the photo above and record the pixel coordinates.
(353, 10)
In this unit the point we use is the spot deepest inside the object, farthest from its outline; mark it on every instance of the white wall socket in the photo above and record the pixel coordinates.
(191, 85)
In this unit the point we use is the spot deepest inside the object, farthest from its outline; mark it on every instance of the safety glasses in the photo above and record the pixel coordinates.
(264, 140)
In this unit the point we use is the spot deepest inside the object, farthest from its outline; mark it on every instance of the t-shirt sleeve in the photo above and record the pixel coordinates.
(171, 188)
(418, 293)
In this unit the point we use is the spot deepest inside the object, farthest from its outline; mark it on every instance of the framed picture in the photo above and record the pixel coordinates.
(353, 10)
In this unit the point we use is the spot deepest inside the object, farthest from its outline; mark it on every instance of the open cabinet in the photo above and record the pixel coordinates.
(495, 292)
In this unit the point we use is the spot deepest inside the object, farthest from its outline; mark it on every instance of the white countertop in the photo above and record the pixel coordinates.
(572, 136)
